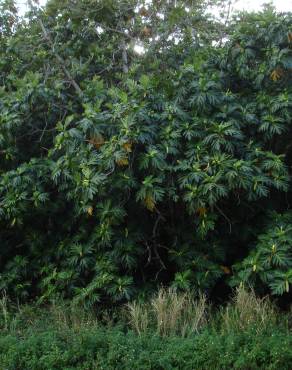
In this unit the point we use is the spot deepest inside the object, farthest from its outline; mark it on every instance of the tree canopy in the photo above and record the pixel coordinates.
(121, 170)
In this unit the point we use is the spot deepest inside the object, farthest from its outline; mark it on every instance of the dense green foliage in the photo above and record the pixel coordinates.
(112, 349)
(60, 337)
(269, 263)
(122, 171)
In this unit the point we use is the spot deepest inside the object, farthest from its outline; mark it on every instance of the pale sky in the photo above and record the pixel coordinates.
(281, 5)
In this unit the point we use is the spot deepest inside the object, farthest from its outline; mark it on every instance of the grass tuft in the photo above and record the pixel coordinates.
(169, 313)
(247, 311)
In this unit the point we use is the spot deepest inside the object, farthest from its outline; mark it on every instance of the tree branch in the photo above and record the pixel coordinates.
(60, 59)
(124, 56)
(115, 30)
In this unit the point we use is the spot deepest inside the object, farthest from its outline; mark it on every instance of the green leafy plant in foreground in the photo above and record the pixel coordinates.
(270, 261)
(249, 333)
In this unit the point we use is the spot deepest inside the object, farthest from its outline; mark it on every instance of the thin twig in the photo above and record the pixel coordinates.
(163, 267)
(43, 131)
(149, 254)
(226, 218)
(156, 225)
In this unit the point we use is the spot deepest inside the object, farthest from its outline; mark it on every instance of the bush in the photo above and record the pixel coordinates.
(269, 263)
(247, 334)
(163, 174)
(112, 349)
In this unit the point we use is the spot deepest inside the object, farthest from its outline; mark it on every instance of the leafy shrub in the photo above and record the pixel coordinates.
(248, 334)
(121, 172)
(269, 263)
(100, 349)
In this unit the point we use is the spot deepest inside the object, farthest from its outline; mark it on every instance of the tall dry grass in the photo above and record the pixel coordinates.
(69, 316)
(4, 310)
(139, 316)
(169, 313)
(247, 311)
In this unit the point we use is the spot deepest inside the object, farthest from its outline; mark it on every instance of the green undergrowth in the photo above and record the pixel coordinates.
(248, 333)
(100, 348)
